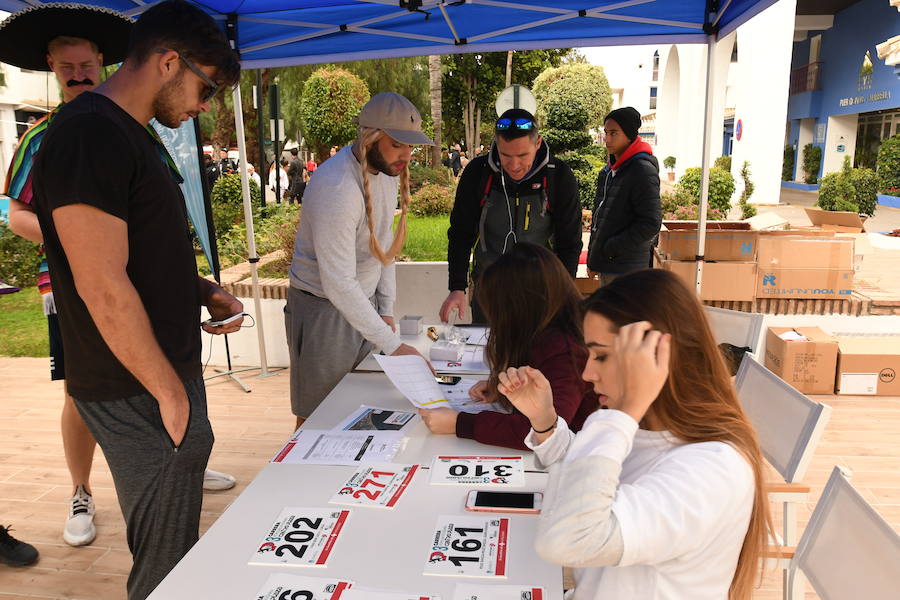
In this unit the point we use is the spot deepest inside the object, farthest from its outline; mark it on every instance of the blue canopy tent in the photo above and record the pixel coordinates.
(273, 33)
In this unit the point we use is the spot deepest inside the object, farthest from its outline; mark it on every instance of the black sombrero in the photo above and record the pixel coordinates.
(24, 35)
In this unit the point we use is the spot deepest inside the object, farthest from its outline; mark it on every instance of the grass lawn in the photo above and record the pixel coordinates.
(426, 239)
(23, 326)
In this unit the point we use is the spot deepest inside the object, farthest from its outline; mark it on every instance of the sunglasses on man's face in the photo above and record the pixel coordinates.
(521, 124)
(210, 89)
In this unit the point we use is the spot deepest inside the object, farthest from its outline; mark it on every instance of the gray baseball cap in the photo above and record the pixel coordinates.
(396, 116)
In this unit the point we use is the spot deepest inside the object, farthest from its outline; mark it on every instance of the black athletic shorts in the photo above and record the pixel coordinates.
(57, 359)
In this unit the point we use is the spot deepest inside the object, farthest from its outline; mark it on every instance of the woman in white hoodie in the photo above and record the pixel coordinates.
(660, 496)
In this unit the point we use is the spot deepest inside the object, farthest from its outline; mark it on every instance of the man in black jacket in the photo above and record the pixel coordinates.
(517, 192)
(627, 214)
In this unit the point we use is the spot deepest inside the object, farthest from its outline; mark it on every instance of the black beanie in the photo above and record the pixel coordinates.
(628, 119)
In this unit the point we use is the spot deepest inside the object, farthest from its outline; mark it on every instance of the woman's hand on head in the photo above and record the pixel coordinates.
(529, 391)
(643, 360)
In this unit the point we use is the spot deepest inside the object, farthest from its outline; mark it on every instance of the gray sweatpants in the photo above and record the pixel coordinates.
(323, 347)
(160, 487)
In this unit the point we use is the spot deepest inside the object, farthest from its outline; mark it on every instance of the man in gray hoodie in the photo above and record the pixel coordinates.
(341, 300)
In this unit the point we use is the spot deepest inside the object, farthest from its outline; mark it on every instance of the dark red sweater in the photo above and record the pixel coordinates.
(561, 359)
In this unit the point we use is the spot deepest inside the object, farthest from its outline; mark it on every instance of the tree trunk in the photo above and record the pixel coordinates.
(434, 75)
(470, 114)
(509, 68)
(224, 125)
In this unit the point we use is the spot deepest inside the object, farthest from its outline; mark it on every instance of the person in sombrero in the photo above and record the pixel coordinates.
(74, 42)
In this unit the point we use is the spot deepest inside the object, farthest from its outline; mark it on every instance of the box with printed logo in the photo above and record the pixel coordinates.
(815, 284)
(805, 253)
(725, 240)
(868, 365)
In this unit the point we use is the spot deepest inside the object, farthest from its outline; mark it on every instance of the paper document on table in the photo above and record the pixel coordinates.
(414, 379)
(472, 362)
(378, 485)
(468, 546)
(474, 591)
(283, 585)
(473, 335)
(300, 537)
(370, 418)
(329, 447)
(493, 471)
(459, 399)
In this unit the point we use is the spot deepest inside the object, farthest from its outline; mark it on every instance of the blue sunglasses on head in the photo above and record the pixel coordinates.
(521, 124)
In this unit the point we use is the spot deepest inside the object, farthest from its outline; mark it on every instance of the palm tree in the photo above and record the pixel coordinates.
(434, 75)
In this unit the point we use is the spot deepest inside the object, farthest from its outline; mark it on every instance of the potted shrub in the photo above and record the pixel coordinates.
(669, 163)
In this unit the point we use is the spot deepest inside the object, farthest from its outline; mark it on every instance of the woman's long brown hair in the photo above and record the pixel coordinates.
(698, 402)
(524, 293)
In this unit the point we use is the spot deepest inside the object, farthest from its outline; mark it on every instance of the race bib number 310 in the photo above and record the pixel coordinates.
(378, 485)
(302, 537)
(469, 546)
(493, 471)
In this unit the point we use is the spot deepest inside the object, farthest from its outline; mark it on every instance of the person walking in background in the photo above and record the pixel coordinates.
(296, 177)
(341, 300)
(282, 183)
(518, 192)
(627, 213)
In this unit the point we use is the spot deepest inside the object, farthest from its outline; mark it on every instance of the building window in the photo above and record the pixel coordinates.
(653, 98)
(656, 66)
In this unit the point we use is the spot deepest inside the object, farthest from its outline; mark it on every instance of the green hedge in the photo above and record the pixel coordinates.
(812, 160)
(432, 200)
(19, 259)
(787, 164)
(721, 187)
(227, 202)
(888, 165)
(852, 190)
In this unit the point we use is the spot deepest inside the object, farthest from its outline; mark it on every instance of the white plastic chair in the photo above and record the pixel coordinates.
(736, 327)
(789, 426)
(848, 550)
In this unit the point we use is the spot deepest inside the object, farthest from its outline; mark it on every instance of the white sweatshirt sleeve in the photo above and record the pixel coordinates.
(386, 292)
(334, 242)
(590, 519)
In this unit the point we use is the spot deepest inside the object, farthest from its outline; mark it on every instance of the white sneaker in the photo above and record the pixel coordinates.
(80, 529)
(215, 481)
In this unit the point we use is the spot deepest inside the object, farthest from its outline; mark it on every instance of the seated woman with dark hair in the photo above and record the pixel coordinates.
(532, 307)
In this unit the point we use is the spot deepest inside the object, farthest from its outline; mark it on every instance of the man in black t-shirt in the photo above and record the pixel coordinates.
(125, 278)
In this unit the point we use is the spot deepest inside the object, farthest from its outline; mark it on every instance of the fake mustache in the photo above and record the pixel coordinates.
(74, 82)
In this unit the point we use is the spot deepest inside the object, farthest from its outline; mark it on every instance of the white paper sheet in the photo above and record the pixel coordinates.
(379, 485)
(491, 471)
(472, 363)
(412, 377)
(468, 547)
(329, 447)
(300, 537)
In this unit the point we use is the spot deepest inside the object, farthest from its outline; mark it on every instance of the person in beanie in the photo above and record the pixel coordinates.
(341, 299)
(627, 214)
(517, 192)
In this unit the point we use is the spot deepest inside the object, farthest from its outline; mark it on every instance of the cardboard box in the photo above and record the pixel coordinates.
(817, 284)
(725, 240)
(799, 231)
(809, 366)
(788, 252)
(868, 365)
(721, 280)
(845, 222)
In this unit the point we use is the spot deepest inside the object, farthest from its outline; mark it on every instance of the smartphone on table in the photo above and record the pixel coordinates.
(516, 502)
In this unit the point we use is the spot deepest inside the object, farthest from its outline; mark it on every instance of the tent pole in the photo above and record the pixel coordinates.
(704, 161)
(248, 219)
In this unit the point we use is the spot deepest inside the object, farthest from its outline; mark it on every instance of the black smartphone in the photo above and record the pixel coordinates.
(448, 379)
